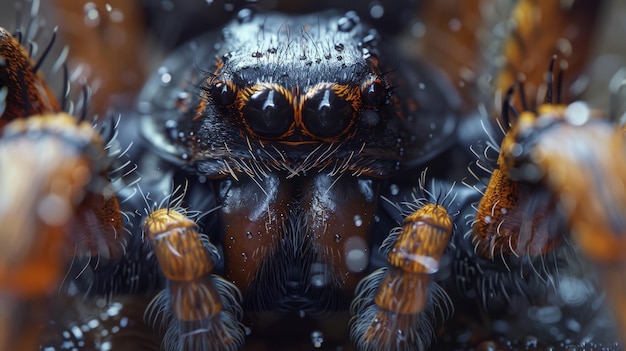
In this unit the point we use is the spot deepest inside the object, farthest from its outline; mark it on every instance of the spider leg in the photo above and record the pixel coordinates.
(200, 310)
(395, 307)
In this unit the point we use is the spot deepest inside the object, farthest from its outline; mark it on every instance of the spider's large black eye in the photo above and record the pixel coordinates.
(268, 113)
(327, 115)
(373, 94)
(223, 93)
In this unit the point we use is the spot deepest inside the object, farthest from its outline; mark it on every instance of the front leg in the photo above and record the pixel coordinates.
(395, 306)
(200, 310)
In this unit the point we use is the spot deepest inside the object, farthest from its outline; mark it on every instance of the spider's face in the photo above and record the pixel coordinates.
(297, 93)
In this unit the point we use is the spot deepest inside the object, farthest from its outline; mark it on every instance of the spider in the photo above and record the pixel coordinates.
(274, 196)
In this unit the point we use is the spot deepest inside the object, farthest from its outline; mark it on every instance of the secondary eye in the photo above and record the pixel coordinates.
(327, 115)
(267, 113)
(223, 93)
(373, 94)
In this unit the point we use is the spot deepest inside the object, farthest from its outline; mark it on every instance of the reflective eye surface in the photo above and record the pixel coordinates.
(223, 93)
(327, 115)
(268, 113)
(373, 94)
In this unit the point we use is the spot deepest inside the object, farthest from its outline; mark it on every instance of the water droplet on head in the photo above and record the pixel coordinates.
(317, 338)
(245, 15)
(376, 9)
(372, 38)
(337, 238)
(249, 235)
(348, 21)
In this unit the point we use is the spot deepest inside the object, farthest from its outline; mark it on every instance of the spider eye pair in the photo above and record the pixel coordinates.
(325, 111)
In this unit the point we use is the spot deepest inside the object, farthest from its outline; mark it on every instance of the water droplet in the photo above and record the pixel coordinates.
(339, 46)
(577, 113)
(376, 9)
(244, 256)
(394, 189)
(93, 323)
(249, 235)
(348, 21)
(365, 53)
(371, 39)
(257, 54)
(454, 24)
(358, 221)
(92, 15)
(357, 258)
(317, 338)
(245, 15)
(531, 341)
(54, 210)
(166, 77)
(115, 15)
(301, 314)
(418, 29)
(337, 238)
